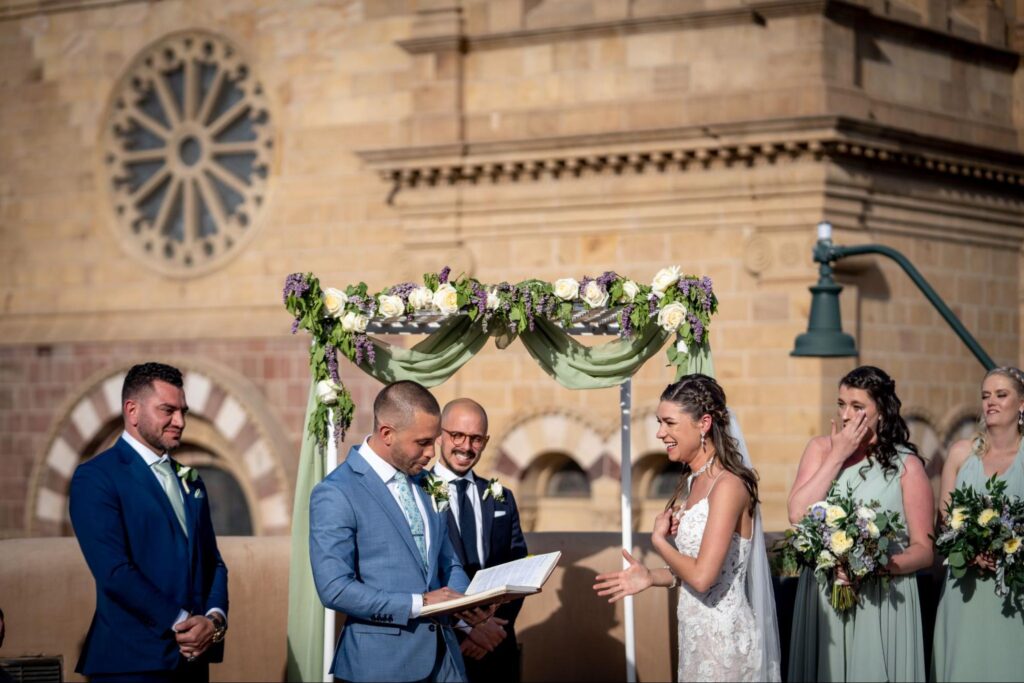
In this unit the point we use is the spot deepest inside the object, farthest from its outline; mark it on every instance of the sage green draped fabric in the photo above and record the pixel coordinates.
(305, 611)
(430, 362)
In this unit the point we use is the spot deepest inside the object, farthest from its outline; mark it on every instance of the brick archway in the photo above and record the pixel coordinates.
(228, 419)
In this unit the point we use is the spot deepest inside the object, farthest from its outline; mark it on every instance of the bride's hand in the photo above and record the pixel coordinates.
(663, 523)
(629, 581)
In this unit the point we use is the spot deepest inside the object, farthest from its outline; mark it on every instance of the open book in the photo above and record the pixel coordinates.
(515, 578)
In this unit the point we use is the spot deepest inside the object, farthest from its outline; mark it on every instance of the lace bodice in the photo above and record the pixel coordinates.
(718, 638)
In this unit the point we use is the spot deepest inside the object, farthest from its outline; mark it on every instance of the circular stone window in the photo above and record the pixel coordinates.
(186, 153)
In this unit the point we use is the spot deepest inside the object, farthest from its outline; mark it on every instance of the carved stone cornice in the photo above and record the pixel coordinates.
(693, 148)
(759, 12)
(21, 9)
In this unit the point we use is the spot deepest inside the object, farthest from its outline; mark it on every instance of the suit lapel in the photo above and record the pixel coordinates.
(191, 511)
(380, 493)
(486, 519)
(146, 479)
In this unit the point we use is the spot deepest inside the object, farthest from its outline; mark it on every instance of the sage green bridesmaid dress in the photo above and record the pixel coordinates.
(977, 636)
(881, 639)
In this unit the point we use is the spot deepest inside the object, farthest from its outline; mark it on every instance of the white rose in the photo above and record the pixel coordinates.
(629, 290)
(327, 392)
(665, 278)
(390, 306)
(672, 316)
(421, 298)
(354, 322)
(595, 295)
(873, 530)
(446, 299)
(567, 289)
(865, 513)
(497, 490)
(493, 301)
(334, 301)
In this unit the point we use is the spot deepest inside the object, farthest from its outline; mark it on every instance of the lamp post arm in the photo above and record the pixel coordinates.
(826, 252)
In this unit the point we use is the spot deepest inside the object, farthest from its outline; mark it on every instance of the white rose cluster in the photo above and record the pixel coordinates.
(567, 288)
(594, 295)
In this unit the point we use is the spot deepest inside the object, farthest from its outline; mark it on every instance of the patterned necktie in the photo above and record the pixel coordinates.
(467, 526)
(412, 514)
(165, 473)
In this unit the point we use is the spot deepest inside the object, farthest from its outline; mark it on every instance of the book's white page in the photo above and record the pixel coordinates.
(529, 571)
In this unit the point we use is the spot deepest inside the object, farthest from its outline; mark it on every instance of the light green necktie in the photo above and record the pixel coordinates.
(412, 514)
(165, 473)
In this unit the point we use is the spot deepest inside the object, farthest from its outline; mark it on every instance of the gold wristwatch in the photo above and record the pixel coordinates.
(220, 627)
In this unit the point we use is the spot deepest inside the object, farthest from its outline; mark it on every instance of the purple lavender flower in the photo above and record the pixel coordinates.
(331, 353)
(696, 327)
(403, 290)
(652, 305)
(818, 513)
(705, 284)
(295, 284)
(684, 286)
(607, 279)
(626, 326)
(527, 300)
(364, 349)
(442, 277)
(295, 326)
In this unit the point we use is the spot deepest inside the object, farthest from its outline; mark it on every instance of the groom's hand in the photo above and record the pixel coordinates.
(194, 635)
(440, 595)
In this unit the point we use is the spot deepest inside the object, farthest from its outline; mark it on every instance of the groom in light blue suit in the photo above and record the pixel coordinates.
(380, 552)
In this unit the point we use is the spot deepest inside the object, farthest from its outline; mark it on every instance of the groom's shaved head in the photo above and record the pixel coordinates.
(397, 402)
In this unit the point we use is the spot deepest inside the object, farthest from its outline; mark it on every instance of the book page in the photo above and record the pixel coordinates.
(529, 572)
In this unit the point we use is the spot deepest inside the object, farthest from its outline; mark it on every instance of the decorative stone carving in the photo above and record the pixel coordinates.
(186, 150)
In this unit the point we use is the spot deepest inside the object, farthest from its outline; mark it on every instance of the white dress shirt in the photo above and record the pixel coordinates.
(151, 458)
(386, 471)
(473, 495)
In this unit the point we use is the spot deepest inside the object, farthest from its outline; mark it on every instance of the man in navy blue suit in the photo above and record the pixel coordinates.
(483, 524)
(143, 523)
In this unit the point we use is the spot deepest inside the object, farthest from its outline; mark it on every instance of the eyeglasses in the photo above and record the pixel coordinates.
(458, 438)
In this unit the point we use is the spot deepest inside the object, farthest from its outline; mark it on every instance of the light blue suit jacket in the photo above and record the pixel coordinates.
(366, 565)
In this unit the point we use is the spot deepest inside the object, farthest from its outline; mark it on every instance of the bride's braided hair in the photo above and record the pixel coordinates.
(1016, 378)
(892, 430)
(698, 395)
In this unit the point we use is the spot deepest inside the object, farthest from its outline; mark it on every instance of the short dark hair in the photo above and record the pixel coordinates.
(142, 376)
(397, 401)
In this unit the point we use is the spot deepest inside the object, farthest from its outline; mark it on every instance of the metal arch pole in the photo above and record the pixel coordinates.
(626, 477)
(330, 462)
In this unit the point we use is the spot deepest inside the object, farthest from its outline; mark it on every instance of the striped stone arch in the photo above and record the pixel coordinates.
(549, 432)
(954, 425)
(226, 417)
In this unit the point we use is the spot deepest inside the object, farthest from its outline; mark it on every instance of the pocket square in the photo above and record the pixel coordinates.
(199, 493)
(499, 513)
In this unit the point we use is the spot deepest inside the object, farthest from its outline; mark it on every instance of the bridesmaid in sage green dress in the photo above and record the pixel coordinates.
(978, 637)
(881, 639)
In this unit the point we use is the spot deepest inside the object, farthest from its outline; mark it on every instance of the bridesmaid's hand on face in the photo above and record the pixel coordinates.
(842, 443)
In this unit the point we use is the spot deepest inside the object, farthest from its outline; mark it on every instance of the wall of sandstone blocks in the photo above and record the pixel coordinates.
(732, 190)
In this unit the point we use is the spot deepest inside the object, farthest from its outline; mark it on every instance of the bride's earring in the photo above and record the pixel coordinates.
(704, 447)
(1020, 417)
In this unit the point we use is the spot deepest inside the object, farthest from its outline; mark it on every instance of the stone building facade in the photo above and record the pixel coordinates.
(165, 164)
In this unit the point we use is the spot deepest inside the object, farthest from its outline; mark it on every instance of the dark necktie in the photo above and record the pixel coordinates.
(467, 526)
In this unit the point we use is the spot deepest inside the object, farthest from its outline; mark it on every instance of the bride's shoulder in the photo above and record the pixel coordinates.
(729, 486)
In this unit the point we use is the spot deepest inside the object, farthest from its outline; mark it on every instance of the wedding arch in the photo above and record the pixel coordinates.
(458, 316)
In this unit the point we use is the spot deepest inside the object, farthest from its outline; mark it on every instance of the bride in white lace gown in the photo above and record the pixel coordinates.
(712, 544)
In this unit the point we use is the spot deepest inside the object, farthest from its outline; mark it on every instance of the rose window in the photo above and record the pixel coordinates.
(187, 152)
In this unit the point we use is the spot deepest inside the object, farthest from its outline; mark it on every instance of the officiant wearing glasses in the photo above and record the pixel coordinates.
(483, 524)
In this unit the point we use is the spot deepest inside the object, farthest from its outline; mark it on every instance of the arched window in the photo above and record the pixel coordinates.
(568, 481)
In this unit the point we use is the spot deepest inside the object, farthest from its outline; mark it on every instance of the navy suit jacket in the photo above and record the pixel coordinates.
(366, 565)
(146, 569)
(502, 538)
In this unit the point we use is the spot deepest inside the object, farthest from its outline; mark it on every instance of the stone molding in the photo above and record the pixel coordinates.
(955, 37)
(818, 137)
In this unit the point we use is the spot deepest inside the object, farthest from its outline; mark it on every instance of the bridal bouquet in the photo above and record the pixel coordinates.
(989, 524)
(842, 533)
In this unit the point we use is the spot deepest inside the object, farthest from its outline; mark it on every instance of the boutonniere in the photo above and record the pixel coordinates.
(437, 489)
(186, 474)
(495, 490)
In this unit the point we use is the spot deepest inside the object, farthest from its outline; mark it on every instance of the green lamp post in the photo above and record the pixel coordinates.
(825, 336)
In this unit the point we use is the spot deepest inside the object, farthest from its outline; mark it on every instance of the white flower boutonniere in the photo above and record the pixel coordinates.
(186, 474)
(437, 489)
(495, 490)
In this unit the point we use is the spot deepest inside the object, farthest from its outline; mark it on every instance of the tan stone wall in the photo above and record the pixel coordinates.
(566, 138)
